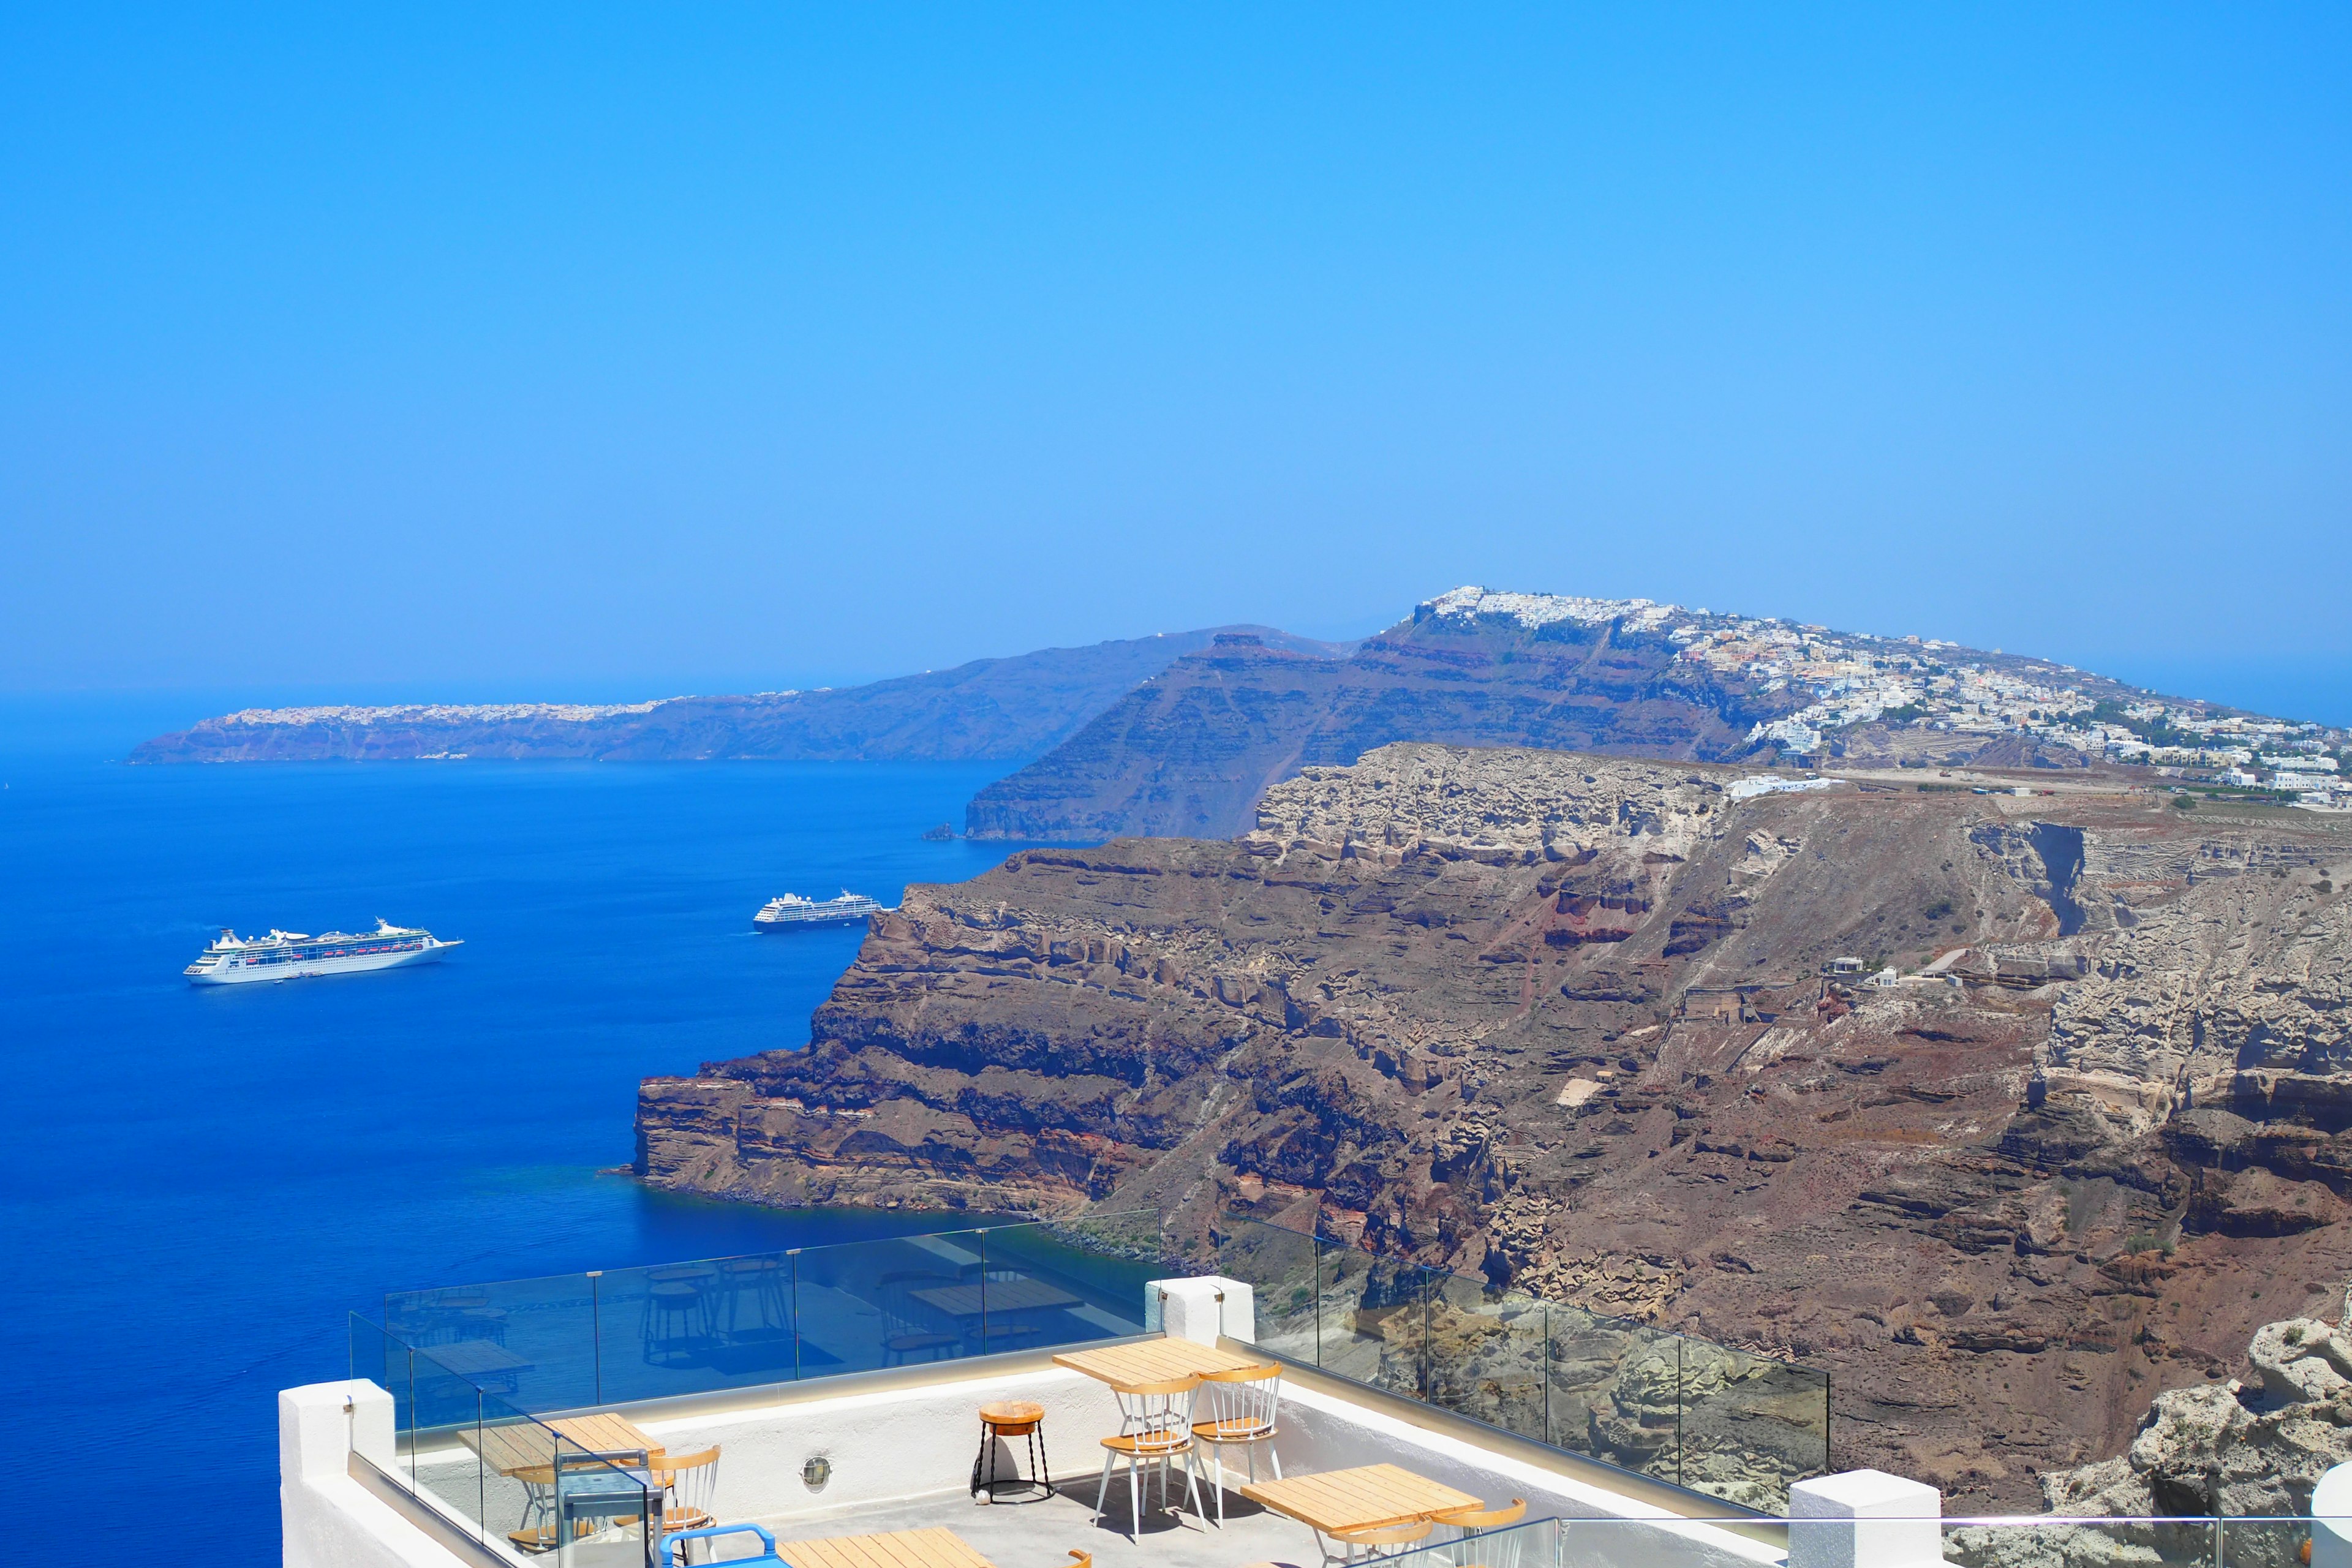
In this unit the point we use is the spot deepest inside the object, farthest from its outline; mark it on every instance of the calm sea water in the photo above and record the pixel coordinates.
(196, 1185)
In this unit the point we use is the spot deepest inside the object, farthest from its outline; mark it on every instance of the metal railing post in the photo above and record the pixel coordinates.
(982, 1234)
(1547, 1374)
(1678, 1410)
(481, 1481)
(1428, 1278)
(412, 1418)
(1315, 1247)
(794, 1255)
(596, 1330)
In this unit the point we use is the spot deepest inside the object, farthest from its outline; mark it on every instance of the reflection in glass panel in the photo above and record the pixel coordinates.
(1371, 1316)
(1751, 1426)
(1611, 1390)
(448, 1441)
(1280, 1266)
(1486, 1354)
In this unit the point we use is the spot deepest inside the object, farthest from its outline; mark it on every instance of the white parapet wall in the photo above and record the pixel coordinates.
(1866, 1519)
(327, 1520)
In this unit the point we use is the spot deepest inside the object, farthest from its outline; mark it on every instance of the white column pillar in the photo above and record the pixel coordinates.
(1200, 1308)
(2331, 1519)
(1866, 1518)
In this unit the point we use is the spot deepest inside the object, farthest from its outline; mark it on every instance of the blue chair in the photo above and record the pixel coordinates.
(767, 1543)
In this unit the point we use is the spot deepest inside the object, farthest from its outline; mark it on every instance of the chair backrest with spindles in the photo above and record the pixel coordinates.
(691, 1479)
(1159, 1415)
(1239, 1406)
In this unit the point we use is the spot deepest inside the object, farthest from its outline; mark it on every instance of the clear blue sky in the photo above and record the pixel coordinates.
(493, 351)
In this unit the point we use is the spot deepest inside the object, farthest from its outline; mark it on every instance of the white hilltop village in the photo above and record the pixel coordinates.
(1854, 678)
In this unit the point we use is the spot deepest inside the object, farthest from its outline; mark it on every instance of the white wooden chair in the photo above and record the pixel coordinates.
(1155, 1427)
(1498, 1552)
(1355, 1545)
(1236, 1409)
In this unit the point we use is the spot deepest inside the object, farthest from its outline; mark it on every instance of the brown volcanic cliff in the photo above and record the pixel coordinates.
(1560, 1018)
(1189, 751)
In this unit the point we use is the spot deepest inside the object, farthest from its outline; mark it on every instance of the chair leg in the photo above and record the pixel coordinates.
(1109, 1459)
(1217, 1457)
(1134, 1504)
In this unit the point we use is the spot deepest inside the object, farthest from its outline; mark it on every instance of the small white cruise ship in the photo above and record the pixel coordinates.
(792, 910)
(233, 960)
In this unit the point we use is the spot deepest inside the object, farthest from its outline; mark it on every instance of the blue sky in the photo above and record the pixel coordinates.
(494, 351)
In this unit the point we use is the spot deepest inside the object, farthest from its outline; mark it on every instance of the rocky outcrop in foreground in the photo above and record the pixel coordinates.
(1562, 1020)
(2241, 1448)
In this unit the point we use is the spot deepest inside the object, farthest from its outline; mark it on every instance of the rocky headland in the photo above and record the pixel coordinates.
(1562, 1019)
(1190, 751)
(991, 710)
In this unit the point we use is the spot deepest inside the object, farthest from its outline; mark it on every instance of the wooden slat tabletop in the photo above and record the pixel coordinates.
(1003, 1296)
(1152, 1361)
(934, 1548)
(1365, 1498)
(525, 1445)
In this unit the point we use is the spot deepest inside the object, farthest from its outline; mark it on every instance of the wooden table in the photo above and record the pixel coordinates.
(1003, 1296)
(525, 1446)
(1365, 1498)
(1126, 1367)
(933, 1548)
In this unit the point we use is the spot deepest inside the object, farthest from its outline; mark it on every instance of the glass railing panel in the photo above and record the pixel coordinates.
(1281, 1268)
(688, 1328)
(1053, 1284)
(903, 1301)
(603, 1508)
(1750, 1426)
(1613, 1391)
(533, 1341)
(448, 1441)
(384, 1361)
(1486, 1353)
(1371, 1318)
(517, 1478)
(1533, 1543)
(2052, 1541)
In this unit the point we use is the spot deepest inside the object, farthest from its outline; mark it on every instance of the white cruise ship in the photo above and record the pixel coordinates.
(792, 910)
(233, 960)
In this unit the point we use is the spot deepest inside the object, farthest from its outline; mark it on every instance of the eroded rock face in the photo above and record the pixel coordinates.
(2247, 1447)
(1562, 1020)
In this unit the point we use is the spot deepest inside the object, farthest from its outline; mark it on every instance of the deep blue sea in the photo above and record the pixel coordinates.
(196, 1185)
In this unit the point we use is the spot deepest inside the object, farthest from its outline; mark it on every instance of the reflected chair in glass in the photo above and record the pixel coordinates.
(1469, 1521)
(1237, 1409)
(909, 1328)
(678, 1313)
(1155, 1427)
(1358, 1545)
(750, 1296)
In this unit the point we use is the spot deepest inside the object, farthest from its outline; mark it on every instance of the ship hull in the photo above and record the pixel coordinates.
(312, 968)
(803, 922)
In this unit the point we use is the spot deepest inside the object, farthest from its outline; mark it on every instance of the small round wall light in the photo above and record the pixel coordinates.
(817, 1472)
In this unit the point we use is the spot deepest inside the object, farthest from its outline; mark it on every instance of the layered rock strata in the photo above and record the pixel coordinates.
(1563, 1020)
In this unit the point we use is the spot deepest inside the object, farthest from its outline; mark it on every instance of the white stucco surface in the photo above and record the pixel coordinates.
(326, 1518)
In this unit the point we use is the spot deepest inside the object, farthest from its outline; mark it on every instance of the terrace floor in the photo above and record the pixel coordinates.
(1041, 1534)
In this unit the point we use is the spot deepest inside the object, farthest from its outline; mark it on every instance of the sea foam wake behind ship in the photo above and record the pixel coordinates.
(231, 959)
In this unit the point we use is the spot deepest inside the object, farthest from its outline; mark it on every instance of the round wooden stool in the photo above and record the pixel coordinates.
(1014, 1418)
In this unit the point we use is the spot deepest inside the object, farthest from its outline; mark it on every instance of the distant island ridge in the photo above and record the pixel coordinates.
(1182, 733)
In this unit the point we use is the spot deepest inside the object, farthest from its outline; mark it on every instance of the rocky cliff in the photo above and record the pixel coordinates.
(1561, 1019)
(1190, 751)
(991, 710)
